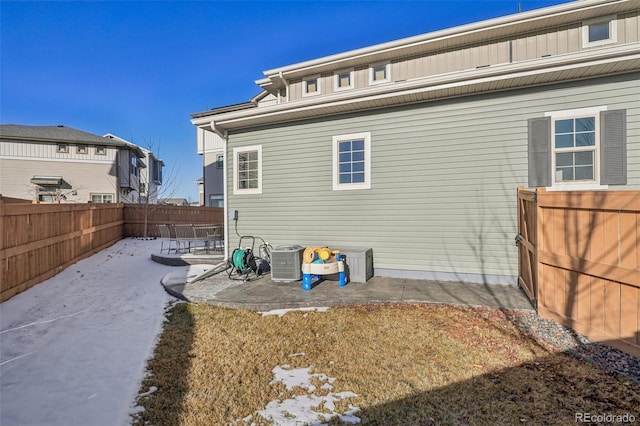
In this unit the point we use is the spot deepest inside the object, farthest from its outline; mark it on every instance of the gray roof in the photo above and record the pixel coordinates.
(53, 134)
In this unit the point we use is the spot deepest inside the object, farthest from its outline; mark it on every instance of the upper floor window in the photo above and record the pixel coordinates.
(311, 86)
(82, 149)
(344, 80)
(63, 147)
(599, 31)
(352, 161)
(101, 150)
(379, 73)
(247, 170)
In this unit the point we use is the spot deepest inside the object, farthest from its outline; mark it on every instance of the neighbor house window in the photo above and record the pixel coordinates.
(102, 198)
(599, 31)
(247, 170)
(216, 201)
(311, 86)
(47, 193)
(63, 147)
(81, 149)
(101, 150)
(578, 149)
(219, 161)
(344, 80)
(379, 73)
(352, 161)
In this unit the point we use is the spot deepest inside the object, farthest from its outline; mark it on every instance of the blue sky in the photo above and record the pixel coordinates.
(138, 69)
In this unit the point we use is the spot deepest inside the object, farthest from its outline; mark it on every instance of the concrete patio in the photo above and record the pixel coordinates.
(263, 294)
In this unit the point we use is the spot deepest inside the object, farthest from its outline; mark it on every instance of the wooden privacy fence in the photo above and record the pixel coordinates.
(135, 216)
(584, 261)
(39, 240)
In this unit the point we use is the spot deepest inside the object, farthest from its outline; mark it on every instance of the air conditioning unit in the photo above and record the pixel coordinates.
(286, 263)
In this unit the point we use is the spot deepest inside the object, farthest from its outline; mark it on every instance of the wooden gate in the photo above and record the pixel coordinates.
(526, 242)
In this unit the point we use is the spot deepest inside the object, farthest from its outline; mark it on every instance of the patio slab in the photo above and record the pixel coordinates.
(263, 294)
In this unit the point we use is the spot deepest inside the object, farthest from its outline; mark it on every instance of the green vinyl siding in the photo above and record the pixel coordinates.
(443, 178)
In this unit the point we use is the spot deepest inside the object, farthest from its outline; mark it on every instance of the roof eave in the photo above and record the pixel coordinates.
(548, 70)
(388, 48)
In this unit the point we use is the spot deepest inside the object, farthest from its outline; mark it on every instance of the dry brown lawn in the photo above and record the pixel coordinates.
(408, 365)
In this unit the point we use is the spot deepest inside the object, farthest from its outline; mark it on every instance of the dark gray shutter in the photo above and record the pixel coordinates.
(613, 147)
(124, 162)
(539, 152)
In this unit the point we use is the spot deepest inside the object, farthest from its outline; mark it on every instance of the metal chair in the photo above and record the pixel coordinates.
(208, 235)
(165, 235)
(185, 236)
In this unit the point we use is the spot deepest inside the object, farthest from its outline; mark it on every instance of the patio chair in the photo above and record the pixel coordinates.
(208, 235)
(185, 236)
(165, 236)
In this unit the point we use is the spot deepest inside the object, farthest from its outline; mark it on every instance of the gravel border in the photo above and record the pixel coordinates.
(577, 345)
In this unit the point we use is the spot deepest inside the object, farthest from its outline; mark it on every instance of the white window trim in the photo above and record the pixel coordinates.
(371, 73)
(337, 186)
(578, 185)
(613, 31)
(249, 191)
(318, 82)
(102, 196)
(336, 79)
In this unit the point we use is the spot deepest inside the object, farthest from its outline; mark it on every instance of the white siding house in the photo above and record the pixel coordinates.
(62, 164)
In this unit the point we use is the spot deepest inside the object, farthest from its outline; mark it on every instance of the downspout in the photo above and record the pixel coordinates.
(225, 205)
(286, 87)
(225, 139)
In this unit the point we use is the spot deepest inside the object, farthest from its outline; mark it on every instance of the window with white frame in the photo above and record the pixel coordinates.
(102, 198)
(311, 86)
(343, 80)
(599, 31)
(575, 144)
(216, 201)
(380, 73)
(247, 170)
(352, 161)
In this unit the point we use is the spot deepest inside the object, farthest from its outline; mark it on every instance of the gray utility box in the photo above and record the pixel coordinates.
(286, 263)
(359, 262)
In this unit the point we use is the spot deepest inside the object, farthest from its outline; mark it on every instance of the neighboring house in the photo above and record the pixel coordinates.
(210, 145)
(151, 173)
(174, 201)
(62, 164)
(415, 147)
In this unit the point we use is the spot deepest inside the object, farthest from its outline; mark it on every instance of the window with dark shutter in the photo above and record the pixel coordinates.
(578, 149)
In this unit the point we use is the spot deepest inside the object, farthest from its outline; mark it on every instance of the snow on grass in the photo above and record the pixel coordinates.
(282, 312)
(306, 409)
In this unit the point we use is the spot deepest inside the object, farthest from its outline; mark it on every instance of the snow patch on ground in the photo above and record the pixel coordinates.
(283, 312)
(310, 409)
